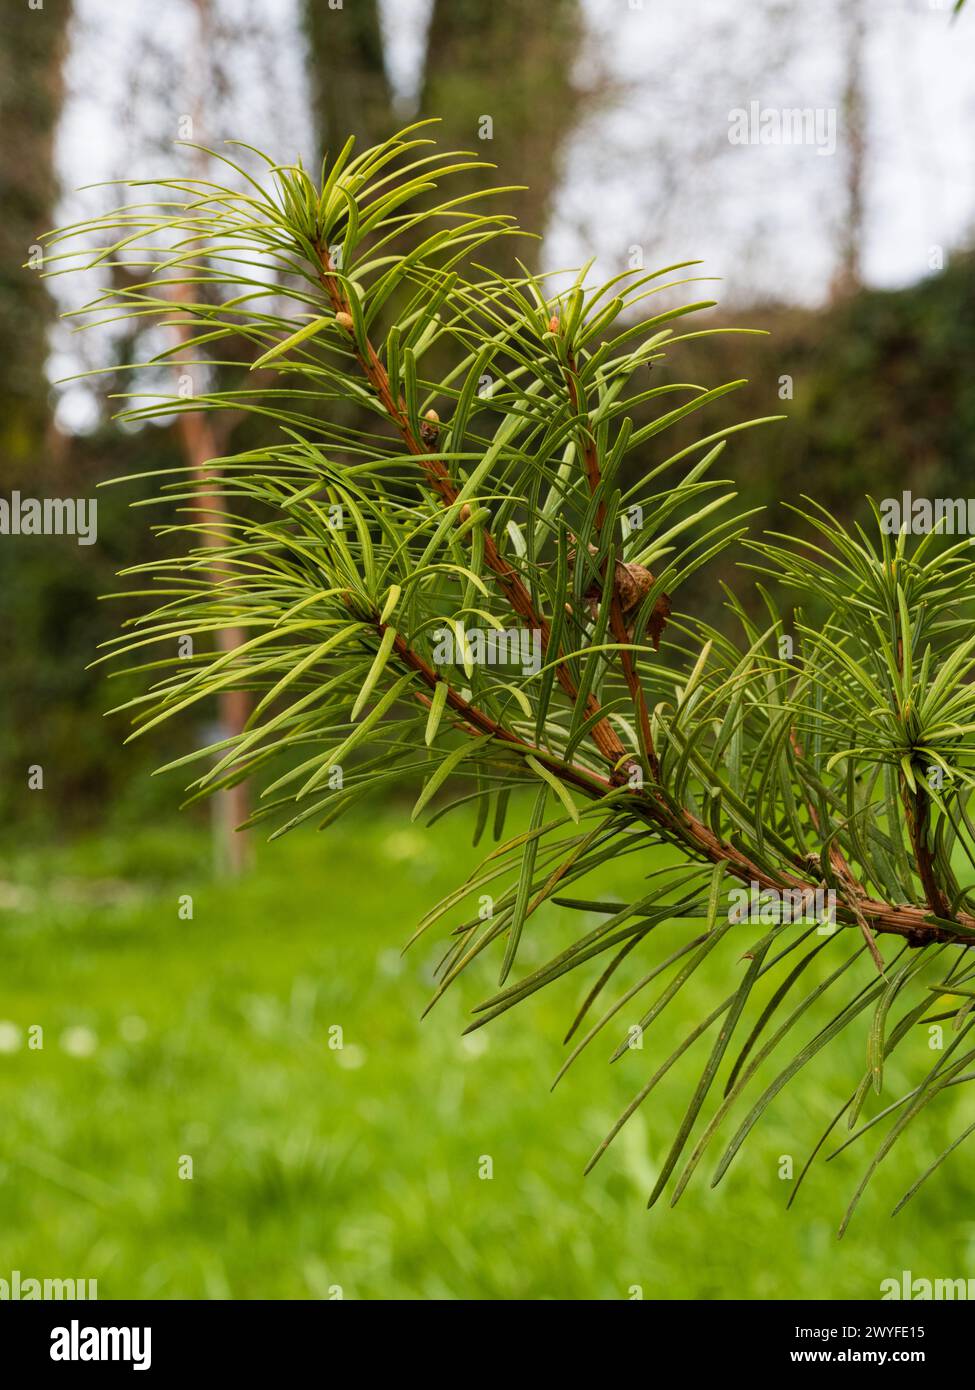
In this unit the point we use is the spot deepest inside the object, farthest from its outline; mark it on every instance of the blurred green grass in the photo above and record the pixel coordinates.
(316, 1167)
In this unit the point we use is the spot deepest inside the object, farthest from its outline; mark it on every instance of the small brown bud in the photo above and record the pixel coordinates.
(344, 321)
(429, 428)
(553, 324)
(465, 513)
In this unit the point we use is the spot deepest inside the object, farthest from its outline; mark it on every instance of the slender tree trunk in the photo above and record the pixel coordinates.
(201, 445)
(499, 74)
(849, 274)
(33, 44)
(32, 49)
(349, 86)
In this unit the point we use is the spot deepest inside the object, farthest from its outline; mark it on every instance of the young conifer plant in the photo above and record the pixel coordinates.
(455, 559)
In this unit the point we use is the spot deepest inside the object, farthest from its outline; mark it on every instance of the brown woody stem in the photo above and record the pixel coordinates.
(513, 587)
(917, 810)
(873, 916)
(590, 454)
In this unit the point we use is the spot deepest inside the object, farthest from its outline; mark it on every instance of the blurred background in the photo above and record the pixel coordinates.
(319, 1167)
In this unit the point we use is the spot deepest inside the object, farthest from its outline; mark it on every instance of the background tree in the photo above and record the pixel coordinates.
(347, 72)
(38, 587)
(501, 82)
(853, 116)
(32, 48)
(494, 63)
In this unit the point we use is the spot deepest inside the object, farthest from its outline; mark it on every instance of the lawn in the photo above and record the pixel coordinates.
(359, 1171)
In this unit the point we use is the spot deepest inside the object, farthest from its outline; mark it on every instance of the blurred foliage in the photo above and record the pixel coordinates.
(882, 395)
(32, 46)
(55, 617)
(315, 1166)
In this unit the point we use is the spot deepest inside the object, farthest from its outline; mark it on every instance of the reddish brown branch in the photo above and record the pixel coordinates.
(510, 582)
(646, 803)
(482, 724)
(917, 811)
(852, 885)
(617, 622)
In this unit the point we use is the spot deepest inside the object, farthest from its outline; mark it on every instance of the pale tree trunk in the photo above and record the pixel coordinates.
(202, 443)
(853, 116)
